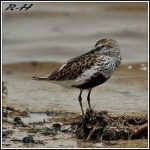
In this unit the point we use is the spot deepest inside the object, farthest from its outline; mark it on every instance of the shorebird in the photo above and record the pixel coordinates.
(88, 70)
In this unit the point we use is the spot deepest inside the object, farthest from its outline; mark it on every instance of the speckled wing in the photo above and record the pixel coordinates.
(74, 67)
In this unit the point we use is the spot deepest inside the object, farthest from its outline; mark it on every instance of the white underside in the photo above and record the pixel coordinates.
(87, 74)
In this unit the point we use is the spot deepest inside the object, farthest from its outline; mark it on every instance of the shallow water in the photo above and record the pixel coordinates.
(126, 91)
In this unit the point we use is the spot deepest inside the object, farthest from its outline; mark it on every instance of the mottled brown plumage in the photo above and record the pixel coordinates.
(74, 67)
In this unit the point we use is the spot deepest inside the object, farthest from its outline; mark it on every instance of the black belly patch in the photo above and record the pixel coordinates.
(92, 82)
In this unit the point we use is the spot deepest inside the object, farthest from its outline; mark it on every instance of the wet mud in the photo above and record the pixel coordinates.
(64, 129)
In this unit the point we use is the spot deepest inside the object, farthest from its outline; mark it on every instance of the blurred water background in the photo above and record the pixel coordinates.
(51, 31)
(57, 31)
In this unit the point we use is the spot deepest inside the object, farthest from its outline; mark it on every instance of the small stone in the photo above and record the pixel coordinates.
(56, 126)
(6, 133)
(129, 67)
(67, 128)
(17, 119)
(98, 145)
(28, 139)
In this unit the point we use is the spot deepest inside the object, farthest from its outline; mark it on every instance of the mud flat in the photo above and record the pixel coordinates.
(56, 129)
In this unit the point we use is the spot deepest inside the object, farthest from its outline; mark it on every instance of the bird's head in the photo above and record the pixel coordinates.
(107, 47)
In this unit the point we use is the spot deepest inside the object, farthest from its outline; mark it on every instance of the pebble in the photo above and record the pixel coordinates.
(28, 139)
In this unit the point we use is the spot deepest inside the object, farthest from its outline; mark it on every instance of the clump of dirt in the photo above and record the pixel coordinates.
(104, 126)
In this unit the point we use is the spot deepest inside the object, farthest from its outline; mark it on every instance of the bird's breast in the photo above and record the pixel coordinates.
(107, 65)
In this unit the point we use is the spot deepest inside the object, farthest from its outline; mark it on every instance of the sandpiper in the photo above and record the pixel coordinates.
(88, 70)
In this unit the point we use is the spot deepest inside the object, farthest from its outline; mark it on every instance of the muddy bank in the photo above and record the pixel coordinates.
(57, 129)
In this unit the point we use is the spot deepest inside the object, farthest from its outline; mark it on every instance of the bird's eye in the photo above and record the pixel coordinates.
(102, 46)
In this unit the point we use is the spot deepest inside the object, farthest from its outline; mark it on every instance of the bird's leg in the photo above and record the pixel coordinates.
(88, 98)
(80, 101)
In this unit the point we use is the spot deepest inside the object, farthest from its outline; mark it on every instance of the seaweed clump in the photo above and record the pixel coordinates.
(104, 126)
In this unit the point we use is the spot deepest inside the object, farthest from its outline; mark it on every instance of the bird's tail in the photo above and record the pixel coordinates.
(39, 78)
